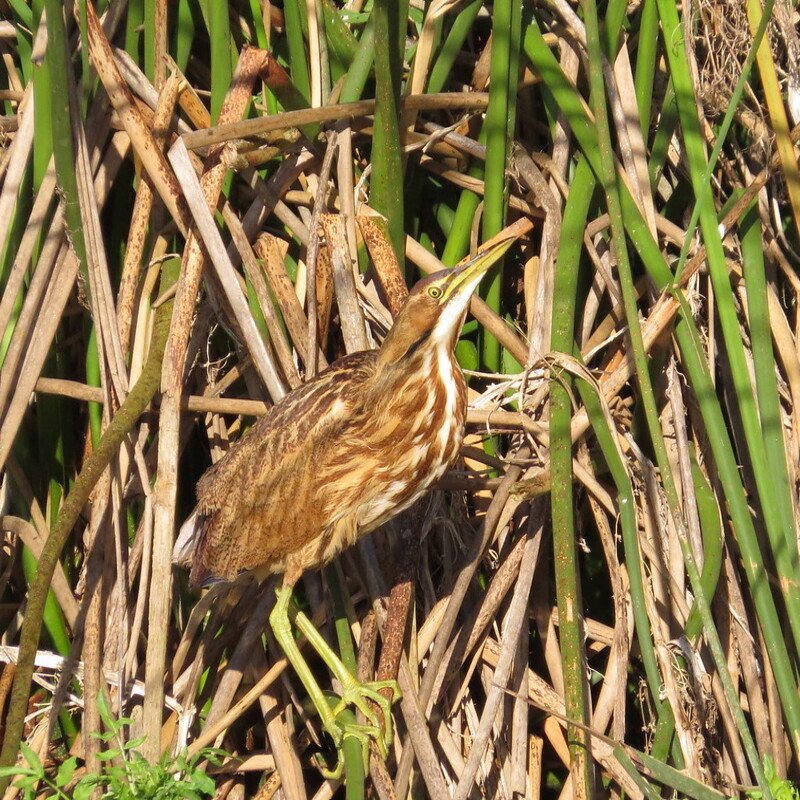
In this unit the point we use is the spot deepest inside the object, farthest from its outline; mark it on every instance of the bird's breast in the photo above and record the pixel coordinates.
(422, 432)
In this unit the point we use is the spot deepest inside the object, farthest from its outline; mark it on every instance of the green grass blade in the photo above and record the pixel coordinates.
(453, 42)
(711, 530)
(293, 13)
(646, 54)
(341, 42)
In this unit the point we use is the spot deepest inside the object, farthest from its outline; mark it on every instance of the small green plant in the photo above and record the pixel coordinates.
(779, 788)
(127, 775)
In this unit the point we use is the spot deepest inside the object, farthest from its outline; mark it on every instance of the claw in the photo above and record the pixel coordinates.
(359, 696)
(330, 774)
(362, 733)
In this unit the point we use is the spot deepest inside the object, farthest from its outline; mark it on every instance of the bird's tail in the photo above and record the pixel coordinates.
(188, 539)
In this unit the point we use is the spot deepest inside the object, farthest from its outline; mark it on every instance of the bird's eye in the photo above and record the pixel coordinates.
(435, 292)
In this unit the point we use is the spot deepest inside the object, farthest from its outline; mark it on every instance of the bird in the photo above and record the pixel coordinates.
(332, 461)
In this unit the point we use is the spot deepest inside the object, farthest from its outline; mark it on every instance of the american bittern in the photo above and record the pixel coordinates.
(332, 461)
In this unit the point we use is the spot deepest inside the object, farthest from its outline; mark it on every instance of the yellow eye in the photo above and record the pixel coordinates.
(435, 292)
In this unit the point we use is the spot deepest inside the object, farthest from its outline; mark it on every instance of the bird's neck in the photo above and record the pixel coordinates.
(405, 342)
(416, 369)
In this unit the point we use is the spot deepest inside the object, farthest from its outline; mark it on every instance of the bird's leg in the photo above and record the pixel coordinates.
(354, 692)
(282, 628)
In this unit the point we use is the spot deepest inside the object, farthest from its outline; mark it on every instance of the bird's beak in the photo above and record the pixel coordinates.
(467, 274)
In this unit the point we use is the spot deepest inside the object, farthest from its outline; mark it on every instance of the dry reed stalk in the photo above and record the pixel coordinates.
(46, 307)
(210, 239)
(287, 764)
(312, 256)
(141, 136)
(272, 251)
(15, 161)
(92, 633)
(333, 113)
(169, 419)
(113, 376)
(140, 216)
(543, 696)
(345, 185)
(609, 708)
(41, 204)
(475, 185)
(383, 258)
(512, 629)
(448, 621)
(252, 269)
(350, 314)
(228, 681)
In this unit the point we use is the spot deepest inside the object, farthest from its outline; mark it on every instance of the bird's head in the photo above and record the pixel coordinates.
(436, 306)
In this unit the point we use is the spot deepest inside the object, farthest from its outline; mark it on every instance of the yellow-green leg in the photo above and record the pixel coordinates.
(353, 692)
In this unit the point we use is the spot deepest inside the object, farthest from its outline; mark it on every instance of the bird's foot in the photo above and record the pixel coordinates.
(339, 732)
(336, 714)
(339, 724)
(362, 696)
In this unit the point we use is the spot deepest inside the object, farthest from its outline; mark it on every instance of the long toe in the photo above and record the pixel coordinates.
(366, 734)
(334, 774)
(366, 697)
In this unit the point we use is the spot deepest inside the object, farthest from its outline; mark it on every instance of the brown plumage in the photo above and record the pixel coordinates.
(338, 456)
(332, 461)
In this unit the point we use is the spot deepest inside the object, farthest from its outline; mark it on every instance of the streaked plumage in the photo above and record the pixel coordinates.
(332, 461)
(338, 456)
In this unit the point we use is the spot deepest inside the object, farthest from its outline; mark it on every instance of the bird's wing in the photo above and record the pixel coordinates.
(260, 501)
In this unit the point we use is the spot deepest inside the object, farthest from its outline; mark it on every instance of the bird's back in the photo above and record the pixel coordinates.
(257, 502)
(333, 460)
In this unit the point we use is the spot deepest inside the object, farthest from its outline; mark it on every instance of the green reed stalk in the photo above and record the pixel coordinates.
(646, 53)
(608, 173)
(184, 33)
(342, 45)
(615, 15)
(361, 66)
(499, 129)
(453, 42)
(351, 748)
(776, 506)
(713, 552)
(691, 347)
(58, 62)
(769, 410)
(293, 13)
(341, 622)
(150, 39)
(219, 34)
(568, 587)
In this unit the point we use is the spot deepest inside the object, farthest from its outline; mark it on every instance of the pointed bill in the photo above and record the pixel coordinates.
(468, 272)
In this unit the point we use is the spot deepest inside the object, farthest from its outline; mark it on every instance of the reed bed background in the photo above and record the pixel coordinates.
(204, 203)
